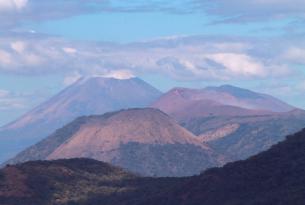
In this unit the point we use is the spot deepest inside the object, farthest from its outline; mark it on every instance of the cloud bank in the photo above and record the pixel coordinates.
(12, 5)
(181, 58)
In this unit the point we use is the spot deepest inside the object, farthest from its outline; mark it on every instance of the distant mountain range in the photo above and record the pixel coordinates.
(224, 124)
(88, 96)
(223, 100)
(272, 177)
(145, 141)
(235, 122)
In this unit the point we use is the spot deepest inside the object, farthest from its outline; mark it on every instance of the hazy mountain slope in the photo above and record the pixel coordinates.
(177, 100)
(239, 137)
(245, 98)
(88, 96)
(145, 141)
(214, 115)
(272, 177)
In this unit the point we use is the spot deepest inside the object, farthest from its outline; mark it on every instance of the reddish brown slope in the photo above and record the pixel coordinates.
(184, 104)
(102, 139)
(145, 141)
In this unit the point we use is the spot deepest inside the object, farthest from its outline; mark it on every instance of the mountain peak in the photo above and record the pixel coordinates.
(126, 138)
(101, 78)
(89, 96)
(117, 75)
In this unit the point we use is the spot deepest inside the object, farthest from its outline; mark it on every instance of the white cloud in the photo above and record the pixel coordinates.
(295, 54)
(119, 74)
(5, 58)
(239, 64)
(12, 5)
(18, 46)
(32, 59)
(191, 58)
(69, 50)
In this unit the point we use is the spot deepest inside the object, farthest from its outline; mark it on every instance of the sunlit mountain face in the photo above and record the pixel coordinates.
(145, 141)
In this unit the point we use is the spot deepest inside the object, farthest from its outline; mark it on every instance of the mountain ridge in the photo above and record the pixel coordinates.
(234, 96)
(232, 130)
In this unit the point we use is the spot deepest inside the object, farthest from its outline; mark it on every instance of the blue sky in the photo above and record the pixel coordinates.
(131, 27)
(46, 45)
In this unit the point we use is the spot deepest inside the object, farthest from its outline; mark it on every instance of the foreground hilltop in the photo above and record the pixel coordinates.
(145, 141)
(272, 177)
(74, 181)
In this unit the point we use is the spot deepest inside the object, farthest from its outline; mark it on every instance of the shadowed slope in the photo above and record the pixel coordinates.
(60, 181)
(272, 177)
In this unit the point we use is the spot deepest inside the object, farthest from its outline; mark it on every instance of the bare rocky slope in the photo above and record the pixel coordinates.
(145, 141)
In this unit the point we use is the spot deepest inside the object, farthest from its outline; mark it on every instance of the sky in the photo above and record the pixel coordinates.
(46, 45)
